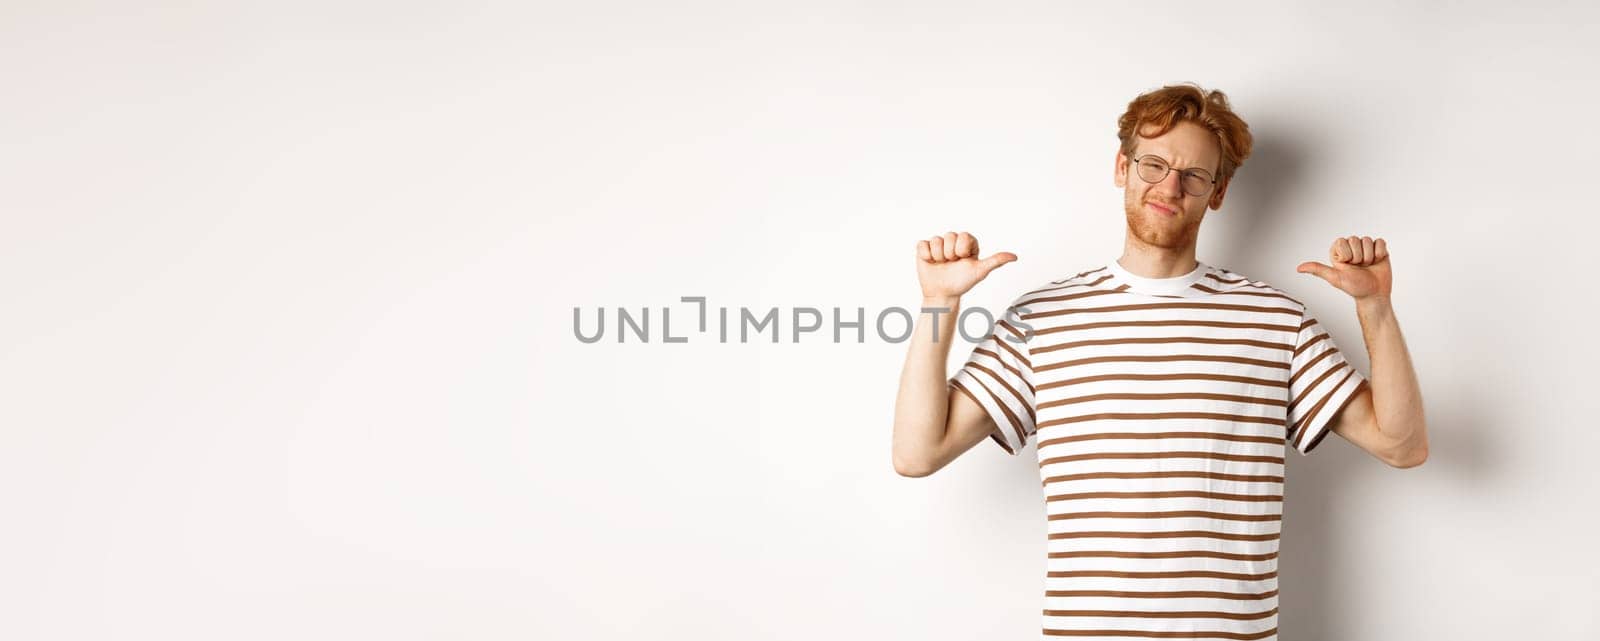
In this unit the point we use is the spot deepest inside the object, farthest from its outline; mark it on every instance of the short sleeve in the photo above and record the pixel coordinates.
(999, 377)
(1321, 384)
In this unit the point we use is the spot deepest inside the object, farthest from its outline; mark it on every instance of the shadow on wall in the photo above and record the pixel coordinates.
(1315, 599)
(1260, 193)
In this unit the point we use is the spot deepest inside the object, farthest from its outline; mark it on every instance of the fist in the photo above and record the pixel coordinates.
(1360, 267)
(948, 265)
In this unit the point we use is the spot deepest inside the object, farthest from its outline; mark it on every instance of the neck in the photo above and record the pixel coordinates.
(1157, 262)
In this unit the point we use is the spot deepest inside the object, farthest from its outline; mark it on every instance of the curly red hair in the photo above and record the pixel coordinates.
(1164, 108)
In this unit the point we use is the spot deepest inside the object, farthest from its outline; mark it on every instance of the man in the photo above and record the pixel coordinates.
(1162, 392)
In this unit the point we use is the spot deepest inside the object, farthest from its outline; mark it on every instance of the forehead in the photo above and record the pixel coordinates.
(1185, 145)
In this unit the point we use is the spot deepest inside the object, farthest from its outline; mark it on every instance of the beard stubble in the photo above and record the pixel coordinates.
(1154, 230)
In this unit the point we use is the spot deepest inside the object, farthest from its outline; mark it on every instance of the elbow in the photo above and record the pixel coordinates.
(911, 466)
(1410, 458)
(911, 469)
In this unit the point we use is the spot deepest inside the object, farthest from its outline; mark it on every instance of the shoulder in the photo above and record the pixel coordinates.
(1221, 280)
(1061, 289)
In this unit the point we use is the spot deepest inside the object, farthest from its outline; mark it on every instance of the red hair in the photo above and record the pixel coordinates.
(1164, 108)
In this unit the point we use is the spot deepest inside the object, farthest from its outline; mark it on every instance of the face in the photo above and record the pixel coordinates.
(1162, 214)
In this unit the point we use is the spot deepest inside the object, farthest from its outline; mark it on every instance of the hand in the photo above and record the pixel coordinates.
(948, 265)
(1360, 267)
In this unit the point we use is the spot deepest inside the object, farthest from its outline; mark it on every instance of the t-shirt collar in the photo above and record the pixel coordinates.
(1174, 286)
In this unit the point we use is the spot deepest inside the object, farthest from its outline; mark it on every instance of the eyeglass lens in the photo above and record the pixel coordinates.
(1154, 170)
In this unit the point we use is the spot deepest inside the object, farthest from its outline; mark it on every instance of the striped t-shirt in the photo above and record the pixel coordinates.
(1161, 407)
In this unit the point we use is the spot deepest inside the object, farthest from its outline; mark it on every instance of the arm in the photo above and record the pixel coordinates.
(1385, 418)
(932, 425)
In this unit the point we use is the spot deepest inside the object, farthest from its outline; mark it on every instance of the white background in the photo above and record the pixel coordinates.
(288, 289)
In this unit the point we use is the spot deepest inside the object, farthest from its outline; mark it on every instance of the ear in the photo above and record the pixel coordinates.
(1119, 173)
(1221, 191)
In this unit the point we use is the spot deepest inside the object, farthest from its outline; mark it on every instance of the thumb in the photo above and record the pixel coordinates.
(1316, 269)
(995, 260)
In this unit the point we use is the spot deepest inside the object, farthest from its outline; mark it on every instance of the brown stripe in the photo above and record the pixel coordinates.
(1197, 634)
(1218, 436)
(1174, 534)
(1182, 554)
(1332, 390)
(1165, 323)
(1066, 297)
(1015, 423)
(1162, 340)
(1008, 367)
(1081, 275)
(1165, 474)
(1165, 359)
(1244, 282)
(1296, 432)
(1236, 616)
(1318, 438)
(1312, 386)
(1177, 594)
(1235, 292)
(1174, 305)
(1023, 402)
(1024, 301)
(1171, 514)
(1258, 285)
(1014, 332)
(1172, 574)
(1301, 370)
(1314, 340)
(1215, 456)
(1195, 376)
(1137, 416)
(1006, 345)
(1165, 396)
(1173, 494)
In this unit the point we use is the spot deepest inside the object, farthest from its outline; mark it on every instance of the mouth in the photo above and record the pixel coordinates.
(1165, 210)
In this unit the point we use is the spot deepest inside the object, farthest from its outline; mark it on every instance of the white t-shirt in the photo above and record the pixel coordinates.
(1161, 408)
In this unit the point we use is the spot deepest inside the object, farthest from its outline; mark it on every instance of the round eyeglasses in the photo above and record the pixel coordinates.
(1154, 169)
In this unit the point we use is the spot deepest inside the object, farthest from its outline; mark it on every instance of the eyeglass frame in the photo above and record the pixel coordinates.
(1212, 181)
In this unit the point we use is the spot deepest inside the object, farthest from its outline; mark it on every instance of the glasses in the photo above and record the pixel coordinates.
(1153, 169)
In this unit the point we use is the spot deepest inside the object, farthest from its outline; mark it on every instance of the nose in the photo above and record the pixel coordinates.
(1171, 185)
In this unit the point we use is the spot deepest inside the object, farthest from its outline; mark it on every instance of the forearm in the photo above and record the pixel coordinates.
(1396, 394)
(922, 403)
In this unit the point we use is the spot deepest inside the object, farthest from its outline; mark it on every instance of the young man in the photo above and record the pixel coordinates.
(1162, 392)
